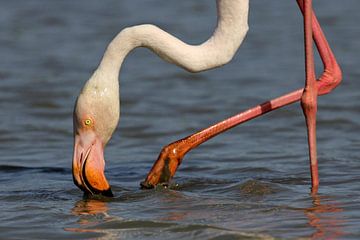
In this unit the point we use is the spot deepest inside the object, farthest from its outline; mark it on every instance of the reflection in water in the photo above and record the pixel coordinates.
(321, 217)
(91, 212)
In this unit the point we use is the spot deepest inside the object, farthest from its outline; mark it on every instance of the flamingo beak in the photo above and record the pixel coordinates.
(89, 165)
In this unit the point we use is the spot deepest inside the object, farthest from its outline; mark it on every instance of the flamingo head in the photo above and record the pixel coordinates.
(95, 118)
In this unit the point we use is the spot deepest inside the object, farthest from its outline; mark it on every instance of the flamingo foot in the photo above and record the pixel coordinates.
(165, 166)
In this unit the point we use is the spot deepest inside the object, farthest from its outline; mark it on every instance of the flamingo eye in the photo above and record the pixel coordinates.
(88, 122)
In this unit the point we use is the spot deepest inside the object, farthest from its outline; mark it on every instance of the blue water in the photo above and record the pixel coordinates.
(251, 182)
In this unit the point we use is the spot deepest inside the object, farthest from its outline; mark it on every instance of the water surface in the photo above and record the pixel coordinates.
(251, 182)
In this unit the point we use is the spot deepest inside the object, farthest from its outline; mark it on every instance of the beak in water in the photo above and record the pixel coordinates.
(89, 165)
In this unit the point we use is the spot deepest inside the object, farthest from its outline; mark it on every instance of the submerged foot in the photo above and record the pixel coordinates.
(164, 168)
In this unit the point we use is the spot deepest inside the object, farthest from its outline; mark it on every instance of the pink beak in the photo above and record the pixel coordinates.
(89, 165)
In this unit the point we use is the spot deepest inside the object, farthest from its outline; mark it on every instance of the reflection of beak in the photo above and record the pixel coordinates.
(90, 207)
(89, 165)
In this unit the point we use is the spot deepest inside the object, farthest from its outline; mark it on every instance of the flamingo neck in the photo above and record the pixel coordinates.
(218, 50)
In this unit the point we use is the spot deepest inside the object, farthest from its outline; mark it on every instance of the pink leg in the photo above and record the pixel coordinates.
(309, 96)
(171, 155)
(330, 78)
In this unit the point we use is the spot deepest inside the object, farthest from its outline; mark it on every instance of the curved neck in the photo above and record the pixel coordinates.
(218, 50)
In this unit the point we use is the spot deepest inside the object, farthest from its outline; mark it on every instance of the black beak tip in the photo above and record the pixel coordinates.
(107, 193)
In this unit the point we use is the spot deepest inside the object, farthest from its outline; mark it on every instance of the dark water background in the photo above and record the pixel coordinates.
(251, 182)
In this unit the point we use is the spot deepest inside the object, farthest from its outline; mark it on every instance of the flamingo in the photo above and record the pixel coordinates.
(97, 107)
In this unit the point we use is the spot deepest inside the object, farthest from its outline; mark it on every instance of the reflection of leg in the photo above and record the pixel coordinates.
(325, 218)
(171, 155)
